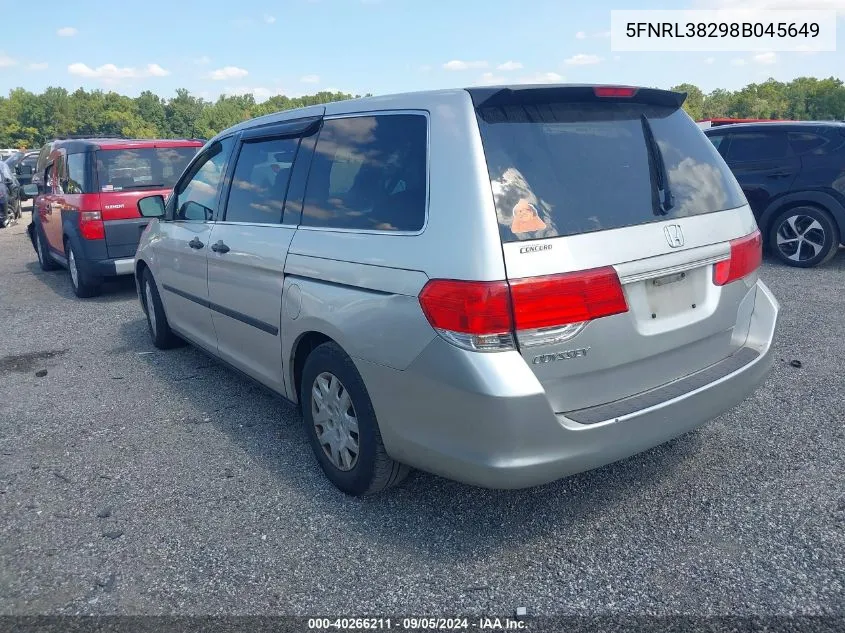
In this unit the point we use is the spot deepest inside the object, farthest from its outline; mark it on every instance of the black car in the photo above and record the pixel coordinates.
(10, 192)
(793, 175)
(23, 165)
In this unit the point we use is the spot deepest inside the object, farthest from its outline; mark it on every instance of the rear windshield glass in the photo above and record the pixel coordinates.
(567, 168)
(145, 168)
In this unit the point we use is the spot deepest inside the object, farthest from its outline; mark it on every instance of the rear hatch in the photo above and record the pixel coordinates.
(628, 245)
(124, 176)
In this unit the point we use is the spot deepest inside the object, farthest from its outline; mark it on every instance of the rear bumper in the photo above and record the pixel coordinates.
(109, 267)
(484, 419)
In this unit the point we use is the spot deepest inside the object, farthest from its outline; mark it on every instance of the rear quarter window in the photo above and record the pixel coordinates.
(369, 173)
(566, 168)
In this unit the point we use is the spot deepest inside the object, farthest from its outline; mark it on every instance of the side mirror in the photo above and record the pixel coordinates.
(151, 207)
(25, 170)
(29, 191)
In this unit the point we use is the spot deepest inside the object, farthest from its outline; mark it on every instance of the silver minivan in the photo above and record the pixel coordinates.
(499, 285)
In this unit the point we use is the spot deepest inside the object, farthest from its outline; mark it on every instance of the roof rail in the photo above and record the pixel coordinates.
(72, 137)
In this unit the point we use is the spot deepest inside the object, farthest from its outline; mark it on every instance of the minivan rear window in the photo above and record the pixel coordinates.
(142, 168)
(562, 169)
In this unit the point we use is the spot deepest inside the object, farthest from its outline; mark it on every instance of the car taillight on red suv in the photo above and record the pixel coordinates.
(746, 257)
(91, 225)
(485, 315)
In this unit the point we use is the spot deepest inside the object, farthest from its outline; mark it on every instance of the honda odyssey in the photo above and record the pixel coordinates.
(500, 285)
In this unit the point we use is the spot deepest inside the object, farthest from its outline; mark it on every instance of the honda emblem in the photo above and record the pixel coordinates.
(674, 235)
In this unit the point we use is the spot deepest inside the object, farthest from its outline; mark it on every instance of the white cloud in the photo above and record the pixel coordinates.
(6, 61)
(154, 70)
(457, 64)
(490, 79)
(37, 66)
(269, 19)
(580, 35)
(542, 78)
(228, 72)
(709, 60)
(582, 59)
(766, 58)
(310, 79)
(261, 93)
(509, 65)
(202, 61)
(67, 31)
(738, 62)
(111, 72)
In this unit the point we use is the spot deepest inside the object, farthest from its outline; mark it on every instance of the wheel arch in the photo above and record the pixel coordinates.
(305, 343)
(819, 199)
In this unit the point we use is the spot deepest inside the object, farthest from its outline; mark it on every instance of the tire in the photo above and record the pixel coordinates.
(804, 237)
(371, 470)
(83, 284)
(160, 332)
(45, 260)
(7, 215)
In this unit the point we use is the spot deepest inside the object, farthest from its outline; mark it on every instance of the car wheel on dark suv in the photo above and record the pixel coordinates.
(804, 236)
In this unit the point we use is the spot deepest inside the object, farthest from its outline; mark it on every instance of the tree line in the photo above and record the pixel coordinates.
(28, 119)
(802, 99)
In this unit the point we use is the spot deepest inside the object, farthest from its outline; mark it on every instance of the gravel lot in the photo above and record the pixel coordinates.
(135, 481)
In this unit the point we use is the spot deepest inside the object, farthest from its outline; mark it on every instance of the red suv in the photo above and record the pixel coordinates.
(85, 214)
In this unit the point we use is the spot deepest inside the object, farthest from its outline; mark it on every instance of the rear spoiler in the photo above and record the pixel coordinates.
(494, 96)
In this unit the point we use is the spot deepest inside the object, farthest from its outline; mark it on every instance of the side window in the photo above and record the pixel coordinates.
(196, 196)
(75, 182)
(260, 182)
(719, 142)
(803, 143)
(369, 173)
(749, 146)
(48, 178)
(61, 174)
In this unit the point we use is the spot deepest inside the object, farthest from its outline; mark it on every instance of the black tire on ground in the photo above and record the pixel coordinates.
(84, 285)
(160, 333)
(374, 470)
(45, 260)
(7, 215)
(808, 236)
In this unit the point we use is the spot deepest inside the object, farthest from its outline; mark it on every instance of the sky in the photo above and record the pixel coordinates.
(297, 47)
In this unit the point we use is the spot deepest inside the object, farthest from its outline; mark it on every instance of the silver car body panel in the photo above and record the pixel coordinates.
(492, 419)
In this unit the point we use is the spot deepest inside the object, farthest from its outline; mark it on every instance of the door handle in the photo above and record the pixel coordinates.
(195, 243)
(219, 247)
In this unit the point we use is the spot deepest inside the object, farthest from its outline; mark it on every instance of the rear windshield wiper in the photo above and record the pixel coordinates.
(657, 166)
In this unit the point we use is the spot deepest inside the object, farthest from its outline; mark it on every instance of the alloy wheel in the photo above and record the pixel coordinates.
(71, 264)
(800, 238)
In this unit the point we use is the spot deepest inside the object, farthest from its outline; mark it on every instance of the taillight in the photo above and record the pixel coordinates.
(471, 314)
(540, 310)
(614, 91)
(91, 225)
(746, 257)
